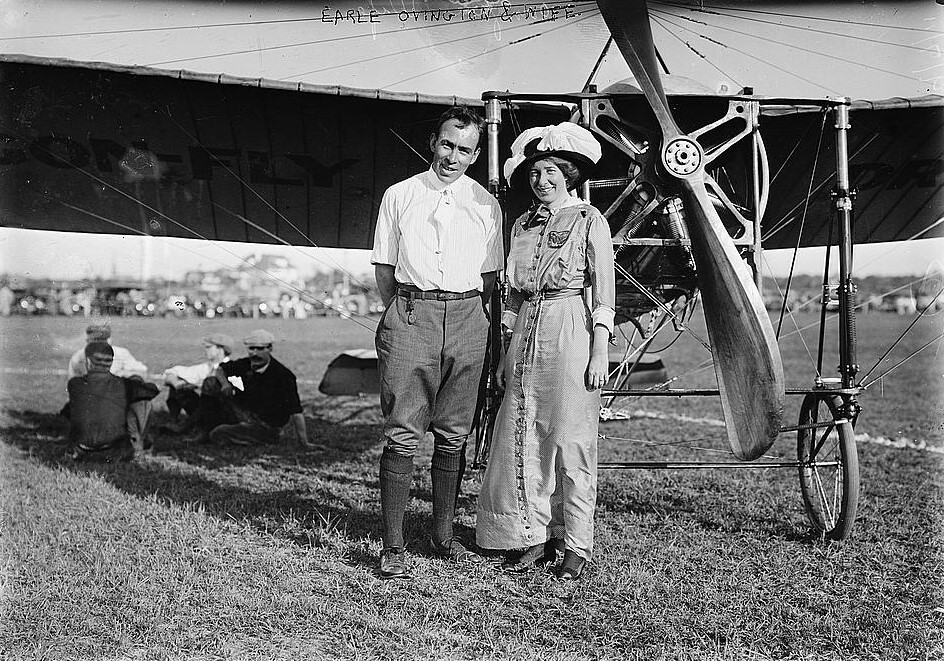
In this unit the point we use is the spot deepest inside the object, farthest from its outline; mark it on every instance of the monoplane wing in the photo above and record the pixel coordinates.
(100, 148)
(896, 165)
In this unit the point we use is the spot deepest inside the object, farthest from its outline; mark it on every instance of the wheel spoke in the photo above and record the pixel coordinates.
(828, 517)
(818, 442)
(830, 499)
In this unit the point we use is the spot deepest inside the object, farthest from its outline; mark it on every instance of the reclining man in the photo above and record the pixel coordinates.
(109, 413)
(248, 401)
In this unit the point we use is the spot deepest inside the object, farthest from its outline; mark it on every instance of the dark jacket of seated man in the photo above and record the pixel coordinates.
(108, 413)
(272, 395)
(263, 401)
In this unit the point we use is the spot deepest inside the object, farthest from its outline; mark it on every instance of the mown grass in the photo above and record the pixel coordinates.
(201, 552)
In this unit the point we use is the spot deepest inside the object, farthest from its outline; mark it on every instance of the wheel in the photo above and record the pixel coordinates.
(829, 470)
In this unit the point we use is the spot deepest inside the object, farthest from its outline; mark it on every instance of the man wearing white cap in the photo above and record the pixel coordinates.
(184, 381)
(257, 396)
(437, 248)
(123, 364)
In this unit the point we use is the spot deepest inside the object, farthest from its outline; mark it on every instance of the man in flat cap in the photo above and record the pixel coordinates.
(257, 396)
(109, 414)
(184, 381)
(123, 364)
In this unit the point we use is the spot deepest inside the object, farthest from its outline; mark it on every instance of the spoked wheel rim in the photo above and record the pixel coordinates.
(829, 466)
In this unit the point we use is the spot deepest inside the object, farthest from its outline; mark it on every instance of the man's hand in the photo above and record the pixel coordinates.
(301, 430)
(386, 282)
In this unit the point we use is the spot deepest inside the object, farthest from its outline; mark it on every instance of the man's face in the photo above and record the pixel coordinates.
(213, 353)
(259, 355)
(454, 150)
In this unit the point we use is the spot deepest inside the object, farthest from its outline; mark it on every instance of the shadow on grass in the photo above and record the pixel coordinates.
(309, 496)
(325, 495)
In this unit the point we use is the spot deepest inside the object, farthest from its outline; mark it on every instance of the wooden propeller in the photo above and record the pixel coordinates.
(746, 357)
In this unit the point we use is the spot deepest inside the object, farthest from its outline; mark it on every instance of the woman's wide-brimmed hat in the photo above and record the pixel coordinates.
(565, 140)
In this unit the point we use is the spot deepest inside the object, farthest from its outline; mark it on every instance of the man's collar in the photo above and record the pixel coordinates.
(437, 184)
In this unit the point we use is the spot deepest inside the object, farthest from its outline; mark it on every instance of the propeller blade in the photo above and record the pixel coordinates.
(746, 357)
(743, 344)
(628, 22)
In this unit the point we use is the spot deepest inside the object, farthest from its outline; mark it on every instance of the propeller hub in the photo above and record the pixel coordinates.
(682, 156)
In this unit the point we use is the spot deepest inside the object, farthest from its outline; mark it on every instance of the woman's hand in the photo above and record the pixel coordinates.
(500, 370)
(597, 371)
(599, 358)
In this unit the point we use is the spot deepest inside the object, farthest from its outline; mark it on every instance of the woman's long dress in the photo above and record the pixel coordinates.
(540, 482)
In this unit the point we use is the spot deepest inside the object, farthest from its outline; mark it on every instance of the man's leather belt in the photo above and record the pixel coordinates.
(435, 294)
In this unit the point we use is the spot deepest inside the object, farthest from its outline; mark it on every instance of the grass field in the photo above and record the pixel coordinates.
(200, 552)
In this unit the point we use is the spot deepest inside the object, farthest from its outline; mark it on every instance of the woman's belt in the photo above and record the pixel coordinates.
(412, 292)
(552, 294)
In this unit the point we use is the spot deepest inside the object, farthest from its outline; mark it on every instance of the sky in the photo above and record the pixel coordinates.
(856, 49)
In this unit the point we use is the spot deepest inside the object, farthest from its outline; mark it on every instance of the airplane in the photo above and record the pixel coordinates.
(114, 149)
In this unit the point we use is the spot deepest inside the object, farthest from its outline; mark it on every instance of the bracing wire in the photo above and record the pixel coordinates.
(904, 360)
(752, 56)
(190, 230)
(245, 185)
(491, 50)
(688, 45)
(302, 293)
(800, 48)
(370, 35)
(262, 22)
(423, 47)
(780, 14)
(806, 207)
(903, 334)
(784, 306)
(803, 28)
(786, 219)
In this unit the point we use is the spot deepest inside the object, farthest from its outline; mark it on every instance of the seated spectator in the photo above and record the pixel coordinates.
(109, 413)
(124, 363)
(184, 381)
(248, 401)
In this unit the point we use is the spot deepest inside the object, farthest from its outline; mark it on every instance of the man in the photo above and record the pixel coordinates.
(437, 248)
(124, 364)
(108, 413)
(252, 398)
(184, 381)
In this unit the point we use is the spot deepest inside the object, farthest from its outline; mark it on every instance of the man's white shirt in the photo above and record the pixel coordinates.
(124, 364)
(438, 235)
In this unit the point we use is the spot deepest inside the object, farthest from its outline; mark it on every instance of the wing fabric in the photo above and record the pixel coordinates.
(896, 166)
(91, 147)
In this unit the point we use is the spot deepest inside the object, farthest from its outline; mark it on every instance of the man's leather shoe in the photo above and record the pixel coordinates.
(393, 563)
(453, 549)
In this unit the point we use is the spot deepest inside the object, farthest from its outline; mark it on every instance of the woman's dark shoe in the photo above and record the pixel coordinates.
(572, 566)
(551, 549)
(527, 560)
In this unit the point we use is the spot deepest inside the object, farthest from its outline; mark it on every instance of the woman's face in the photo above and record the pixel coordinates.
(548, 182)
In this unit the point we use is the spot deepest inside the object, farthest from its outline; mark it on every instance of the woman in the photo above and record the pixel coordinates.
(539, 489)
